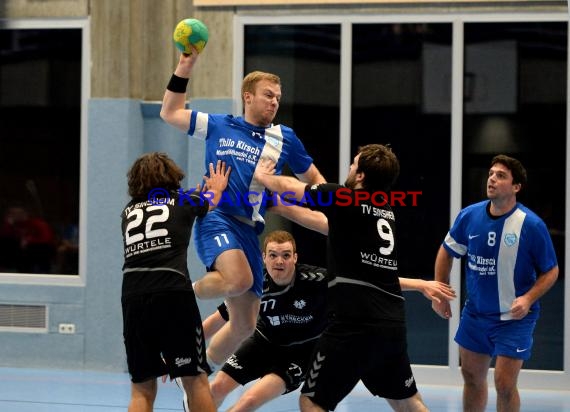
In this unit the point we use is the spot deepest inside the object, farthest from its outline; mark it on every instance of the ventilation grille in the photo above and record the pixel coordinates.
(23, 318)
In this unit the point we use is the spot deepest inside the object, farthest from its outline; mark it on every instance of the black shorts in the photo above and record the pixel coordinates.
(163, 325)
(257, 357)
(345, 354)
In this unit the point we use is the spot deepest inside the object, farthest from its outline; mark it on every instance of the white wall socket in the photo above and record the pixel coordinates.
(67, 328)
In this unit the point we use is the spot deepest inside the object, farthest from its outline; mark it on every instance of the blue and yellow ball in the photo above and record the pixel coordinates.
(190, 32)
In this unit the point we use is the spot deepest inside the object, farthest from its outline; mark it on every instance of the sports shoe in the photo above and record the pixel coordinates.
(185, 404)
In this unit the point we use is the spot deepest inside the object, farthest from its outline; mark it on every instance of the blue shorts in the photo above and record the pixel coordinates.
(494, 337)
(217, 232)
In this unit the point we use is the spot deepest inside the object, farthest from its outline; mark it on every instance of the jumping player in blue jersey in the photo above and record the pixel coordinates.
(509, 264)
(226, 239)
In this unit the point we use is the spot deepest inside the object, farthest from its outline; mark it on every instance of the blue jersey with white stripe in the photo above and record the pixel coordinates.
(503, 256)
(241, 145)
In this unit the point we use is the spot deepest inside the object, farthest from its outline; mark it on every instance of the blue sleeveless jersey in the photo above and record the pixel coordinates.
(241, 145)
(502, 255)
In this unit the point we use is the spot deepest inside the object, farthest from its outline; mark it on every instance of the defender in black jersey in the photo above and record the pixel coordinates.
(161, 321)
(365, 338)
(291, 319)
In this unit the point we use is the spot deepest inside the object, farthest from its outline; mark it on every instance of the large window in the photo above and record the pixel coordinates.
(40, 137)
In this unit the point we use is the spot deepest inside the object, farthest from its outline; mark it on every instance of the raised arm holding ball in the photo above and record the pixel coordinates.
(226, 240)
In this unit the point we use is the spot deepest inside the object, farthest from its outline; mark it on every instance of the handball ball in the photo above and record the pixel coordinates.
(190, 32)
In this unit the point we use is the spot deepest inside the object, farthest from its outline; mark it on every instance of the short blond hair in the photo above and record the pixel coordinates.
(250, 81)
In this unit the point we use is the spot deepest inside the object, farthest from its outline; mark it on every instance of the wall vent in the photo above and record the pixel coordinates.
(23, 318)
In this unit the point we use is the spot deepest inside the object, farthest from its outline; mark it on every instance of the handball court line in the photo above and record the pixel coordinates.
(53, 390)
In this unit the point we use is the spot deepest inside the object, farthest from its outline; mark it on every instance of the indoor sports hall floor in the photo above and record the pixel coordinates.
(49, 390)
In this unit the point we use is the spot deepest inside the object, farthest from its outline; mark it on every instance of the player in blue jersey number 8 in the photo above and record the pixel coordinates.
(510, 264)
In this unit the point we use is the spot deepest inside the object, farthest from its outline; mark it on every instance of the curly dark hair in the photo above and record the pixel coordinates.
(153, 170)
